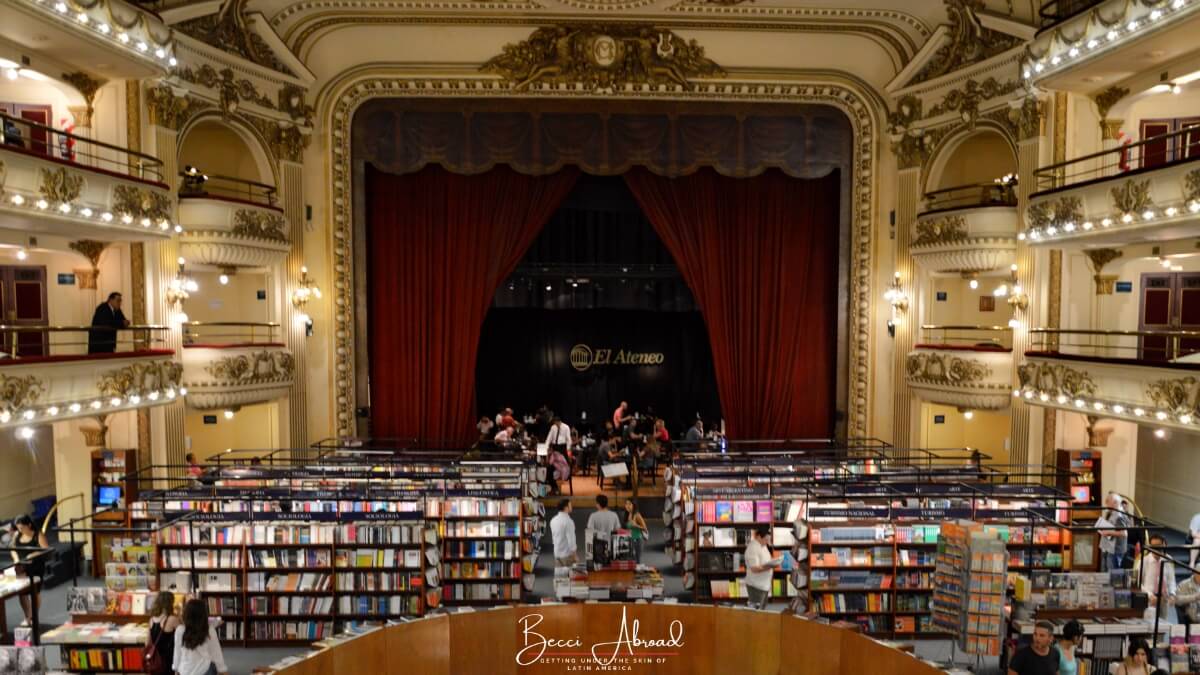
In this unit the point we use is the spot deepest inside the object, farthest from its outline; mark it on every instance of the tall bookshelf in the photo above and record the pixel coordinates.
(480, 531)
(1079, 474)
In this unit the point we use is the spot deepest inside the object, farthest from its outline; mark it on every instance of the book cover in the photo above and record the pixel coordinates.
(743, 512)
(724, 512)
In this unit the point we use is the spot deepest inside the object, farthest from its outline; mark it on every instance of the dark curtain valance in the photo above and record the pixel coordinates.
(399, 137)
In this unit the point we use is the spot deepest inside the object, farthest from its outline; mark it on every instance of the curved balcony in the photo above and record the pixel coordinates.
(47, 373)
(1144, 191)
(229, 364)
(132, 43)
(67, 185)
(964, 366)
(1150, 377)
(1083, 42)
(231, 222)
(967, 228)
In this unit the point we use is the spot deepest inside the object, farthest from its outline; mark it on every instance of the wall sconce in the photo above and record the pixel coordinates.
(967, 413)
(180, 289)
(306, 290)
(1013, 291)
(899, 301)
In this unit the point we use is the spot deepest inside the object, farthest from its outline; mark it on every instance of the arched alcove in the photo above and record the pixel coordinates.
(220, 148)
(979, 156)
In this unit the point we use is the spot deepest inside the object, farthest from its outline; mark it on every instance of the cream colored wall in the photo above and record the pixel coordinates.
(236, 301)
(961, 306)
(981, 158)
(986, 431)
(28, 470)
(216, 149)
(1158, 106)
(23, 90)
(254, 427)
(72, 459)
(1166, 476)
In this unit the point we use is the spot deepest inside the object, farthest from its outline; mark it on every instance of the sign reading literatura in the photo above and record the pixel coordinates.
(548, 646)
(584, 357)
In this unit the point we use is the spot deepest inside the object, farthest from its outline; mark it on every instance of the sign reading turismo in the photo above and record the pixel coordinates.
(584, 357)
(629, 647)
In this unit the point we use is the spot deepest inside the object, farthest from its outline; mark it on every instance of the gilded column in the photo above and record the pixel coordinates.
(908, 200)
(291, 175)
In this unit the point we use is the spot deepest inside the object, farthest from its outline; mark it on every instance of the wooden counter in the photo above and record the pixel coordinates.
(714, 641)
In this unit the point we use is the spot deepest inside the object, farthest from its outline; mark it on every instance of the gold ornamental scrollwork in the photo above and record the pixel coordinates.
(969, 41)
(1061, 210)
(259, 225)
(60, 186)
(141, 202)
(1055, 379)
(167, 109)
(1106, 99)
(140, 378)
(264, 366)
(1191, 185)
(19, 392)
(936, 368)
(1181, 397)
(602, 58)
(1131, 196)
(945, 230)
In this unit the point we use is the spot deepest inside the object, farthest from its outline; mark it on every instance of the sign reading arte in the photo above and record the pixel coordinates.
(629, 650)
(583, 357)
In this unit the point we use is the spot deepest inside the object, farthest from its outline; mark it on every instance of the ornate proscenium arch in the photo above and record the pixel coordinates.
(344, 99)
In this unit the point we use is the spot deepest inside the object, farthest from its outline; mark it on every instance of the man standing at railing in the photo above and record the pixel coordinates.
(106, 320)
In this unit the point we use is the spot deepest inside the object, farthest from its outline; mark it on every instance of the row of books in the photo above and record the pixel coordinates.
(120, 576)
(484, 528)
(380, 605)
(380, 557)
(403, 534)
(480, 570)
(295, 605)
(720, 589)
(915, 624)
(295, 557)
(290, 630)
(201, 558)
(910, 557)
(97, 600)
(917, 534)
(1035, 558)
(290, 582)
(95, 658)
(453, 592)
(914, 580)
(378, 581)
(472, 507)
(223, 604)
(507, 550)
(918, 602)
(841, 603)
(844, 556)
(741, 511)
(850, 579)
(852, 534)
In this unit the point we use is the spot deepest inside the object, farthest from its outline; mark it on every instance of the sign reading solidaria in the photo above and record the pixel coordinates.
(583, 357)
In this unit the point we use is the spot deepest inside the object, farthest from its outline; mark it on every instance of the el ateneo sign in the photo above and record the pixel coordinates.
(584, 357)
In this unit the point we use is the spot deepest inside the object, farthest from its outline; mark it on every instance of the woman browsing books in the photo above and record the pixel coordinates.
(636, 524)
(197, 649)
(760, 567)
(163, 623)
(1138, 661)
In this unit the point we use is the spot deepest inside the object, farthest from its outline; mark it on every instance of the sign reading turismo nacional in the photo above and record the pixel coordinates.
(619, 643)
(584, 357)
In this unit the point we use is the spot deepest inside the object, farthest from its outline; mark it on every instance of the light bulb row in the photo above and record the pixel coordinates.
(1074, 50)
(50, 412)
(86, 212)
(1109, 408)
(161, 52)
(1071, 227)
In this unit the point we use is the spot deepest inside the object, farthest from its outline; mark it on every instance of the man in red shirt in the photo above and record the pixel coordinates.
(506, 420)
(619, 415)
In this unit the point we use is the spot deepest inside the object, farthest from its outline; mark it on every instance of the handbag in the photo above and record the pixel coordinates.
(152, 659)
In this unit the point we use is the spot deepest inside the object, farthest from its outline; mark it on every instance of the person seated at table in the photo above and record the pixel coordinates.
(26, 536)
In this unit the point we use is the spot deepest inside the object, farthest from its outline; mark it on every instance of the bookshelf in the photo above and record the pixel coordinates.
(113, 488)
(481, 533)
(1079, 476)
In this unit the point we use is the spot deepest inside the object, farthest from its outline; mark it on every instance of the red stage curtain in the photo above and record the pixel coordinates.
(439, 246)
(761, 256)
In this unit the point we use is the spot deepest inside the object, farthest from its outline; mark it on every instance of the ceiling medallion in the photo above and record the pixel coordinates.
(602, 58)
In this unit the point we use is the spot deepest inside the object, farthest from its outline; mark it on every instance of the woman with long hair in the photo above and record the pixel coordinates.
(197, 649)
(163, 623)
(1138, 661)
(636, 524)
(27, 537)
(1068, 643)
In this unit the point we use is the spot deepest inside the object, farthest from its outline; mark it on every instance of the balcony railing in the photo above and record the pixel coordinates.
(1130, 159)
(979, 338)
(229, 333)
(226, 187)
(1120, 345)
(1055, 12)
(26, 343)
(966, 196)
(39, 140)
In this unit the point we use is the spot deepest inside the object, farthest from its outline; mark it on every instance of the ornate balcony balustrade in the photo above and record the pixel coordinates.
(229, 364)
(67, 185)
(967, 228)
(133, 43)
(965, 366)
(1150, 377)
(53, 373)
(231, 222)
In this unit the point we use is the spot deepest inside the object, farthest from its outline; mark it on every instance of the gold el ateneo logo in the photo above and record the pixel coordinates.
(581, 357)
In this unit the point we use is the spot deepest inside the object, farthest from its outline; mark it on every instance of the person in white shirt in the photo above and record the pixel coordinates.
(505, 435)
(559, 437)
(603, 522)
(562, 531)
(760, 567)
(1194, 531)
(197, 649)
(1149, 567)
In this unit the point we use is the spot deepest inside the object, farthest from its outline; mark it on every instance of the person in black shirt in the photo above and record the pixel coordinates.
(107, 319)
(1038, 658)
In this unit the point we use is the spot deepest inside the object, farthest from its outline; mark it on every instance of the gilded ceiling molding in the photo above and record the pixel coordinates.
(602, 58)
(230, 89)
(355, 89)
(907, 143)
(967, 99)
(1180, 396)
(90, 249)
(264, 366)
(1068, 209)
(60, 186)
(259, 225)
(1106, 99)
(1031, 118)
(1098, 258)
(141, 202)
(1054, 379)
(1131, 196)
(87, 86)
(169, 109)
(969, 42)
(228, 30)
(140, 378)
(939, 231)
(18, 392)
(935, 368)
